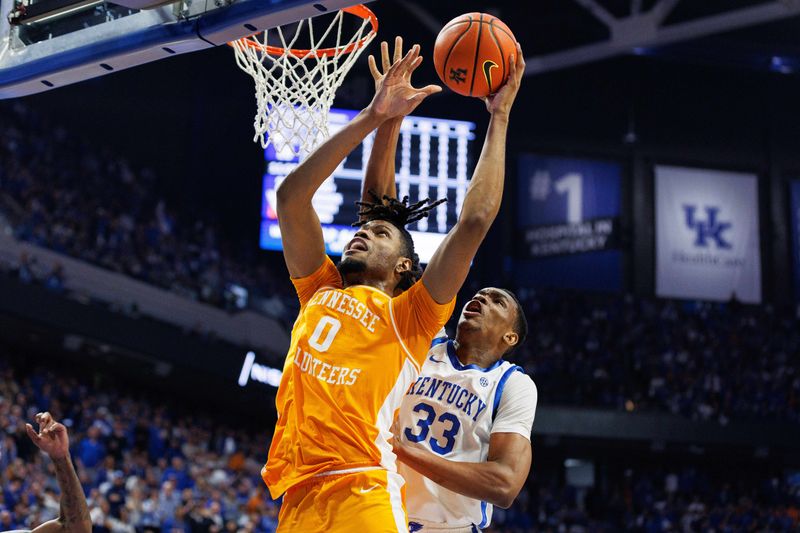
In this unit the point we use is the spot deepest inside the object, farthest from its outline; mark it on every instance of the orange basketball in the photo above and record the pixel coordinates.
(472, 54)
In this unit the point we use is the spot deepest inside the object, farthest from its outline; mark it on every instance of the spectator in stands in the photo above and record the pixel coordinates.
(82, 200)
(55, 278)
(704, 361)
(26, 269)
(91, 450)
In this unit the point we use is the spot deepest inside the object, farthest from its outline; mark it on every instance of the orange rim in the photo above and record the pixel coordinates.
(359, 10)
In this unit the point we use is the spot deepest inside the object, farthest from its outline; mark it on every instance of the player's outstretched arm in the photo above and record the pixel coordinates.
(379, 176)
(304, 248)
(52, 439)
(450, 263)
(498, 480)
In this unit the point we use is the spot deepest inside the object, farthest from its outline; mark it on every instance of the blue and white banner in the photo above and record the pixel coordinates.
(707, 235)
(568, 221)
(794, 220)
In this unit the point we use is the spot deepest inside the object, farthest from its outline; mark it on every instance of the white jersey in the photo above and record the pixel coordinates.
(452, 410)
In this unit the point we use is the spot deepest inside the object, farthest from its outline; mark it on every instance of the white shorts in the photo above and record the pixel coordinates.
(423, 526)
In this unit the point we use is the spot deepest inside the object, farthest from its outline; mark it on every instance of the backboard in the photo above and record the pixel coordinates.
(45, 44)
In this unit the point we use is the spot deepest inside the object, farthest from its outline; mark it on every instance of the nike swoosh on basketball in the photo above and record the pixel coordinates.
(364, 491)
(488, 65)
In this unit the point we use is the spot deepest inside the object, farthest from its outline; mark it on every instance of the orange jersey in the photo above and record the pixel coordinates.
(354, 353)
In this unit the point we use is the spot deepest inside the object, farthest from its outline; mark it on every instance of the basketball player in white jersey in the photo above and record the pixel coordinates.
(463, 430)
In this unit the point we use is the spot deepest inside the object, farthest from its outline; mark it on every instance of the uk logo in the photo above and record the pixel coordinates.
(710, 229)
(458, 75)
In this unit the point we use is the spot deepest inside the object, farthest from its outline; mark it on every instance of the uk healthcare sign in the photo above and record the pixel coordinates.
(707, 235)
(568, 223)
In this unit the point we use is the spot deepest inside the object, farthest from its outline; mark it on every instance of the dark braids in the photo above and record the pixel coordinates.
(399, 213)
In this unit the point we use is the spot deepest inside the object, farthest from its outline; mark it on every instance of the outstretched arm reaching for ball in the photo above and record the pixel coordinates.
(303, 245)
(52, 438)
(450, 263)
(380, 174)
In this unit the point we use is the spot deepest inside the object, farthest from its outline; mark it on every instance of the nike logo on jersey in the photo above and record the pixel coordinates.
(434, 360)
(364, 491)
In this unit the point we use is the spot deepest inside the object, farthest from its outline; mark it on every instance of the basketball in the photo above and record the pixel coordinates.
(472, 54)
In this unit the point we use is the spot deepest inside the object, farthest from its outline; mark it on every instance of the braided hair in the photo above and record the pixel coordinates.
(399, 213)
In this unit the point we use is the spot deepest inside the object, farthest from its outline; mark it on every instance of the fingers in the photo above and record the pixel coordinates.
(519, 64)
(411, 56)
(373, 68)
(32, 434)
(43, 419)
(422, 94)
(403, 65)
(58, 432)
(414, 65)
(431, 89)
(513, 75)
(385, 56)
(516, 67)
(48, 428)
(386, 63)
(398, 49)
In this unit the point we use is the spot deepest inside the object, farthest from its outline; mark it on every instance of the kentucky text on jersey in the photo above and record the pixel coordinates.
(347, 305)
(452, 393)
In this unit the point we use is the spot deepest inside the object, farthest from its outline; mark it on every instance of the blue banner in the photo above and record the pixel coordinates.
(568, 223)
(794, 219)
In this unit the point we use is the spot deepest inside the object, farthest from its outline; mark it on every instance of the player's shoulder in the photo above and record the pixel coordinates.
(519, 382)
(524, 379)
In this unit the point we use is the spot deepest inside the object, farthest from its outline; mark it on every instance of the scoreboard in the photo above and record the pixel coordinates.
(434, 159)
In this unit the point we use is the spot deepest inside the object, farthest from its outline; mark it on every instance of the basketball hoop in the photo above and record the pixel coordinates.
(295, 87)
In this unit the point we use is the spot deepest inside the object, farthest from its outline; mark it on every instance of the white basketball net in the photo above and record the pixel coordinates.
(294, 93)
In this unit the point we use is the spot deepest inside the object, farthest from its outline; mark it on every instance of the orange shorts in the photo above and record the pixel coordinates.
(363, 502)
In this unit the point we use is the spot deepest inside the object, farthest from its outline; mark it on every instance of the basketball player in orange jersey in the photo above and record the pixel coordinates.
(356, 348)
(463, 432)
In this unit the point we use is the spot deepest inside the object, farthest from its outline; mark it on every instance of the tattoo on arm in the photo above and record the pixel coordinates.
(74, 512)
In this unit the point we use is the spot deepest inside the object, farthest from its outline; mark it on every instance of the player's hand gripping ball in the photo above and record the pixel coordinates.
(472, 54)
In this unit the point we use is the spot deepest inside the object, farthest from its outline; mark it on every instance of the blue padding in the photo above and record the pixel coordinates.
(96, 52)
(149, 38)
(242, 12)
